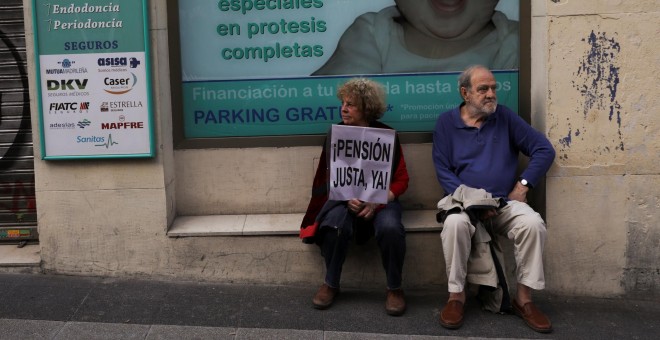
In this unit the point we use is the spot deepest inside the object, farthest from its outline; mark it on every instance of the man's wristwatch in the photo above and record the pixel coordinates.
(525, 183)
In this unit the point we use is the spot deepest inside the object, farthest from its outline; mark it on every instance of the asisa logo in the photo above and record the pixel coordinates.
(119, 85)
(118, 62)
(113, 62)
(134, 62)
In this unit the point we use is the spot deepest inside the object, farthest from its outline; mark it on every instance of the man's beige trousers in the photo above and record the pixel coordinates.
(518, 222)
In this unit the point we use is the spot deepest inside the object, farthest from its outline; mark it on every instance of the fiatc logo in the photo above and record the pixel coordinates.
(70, 107)
(119, 85)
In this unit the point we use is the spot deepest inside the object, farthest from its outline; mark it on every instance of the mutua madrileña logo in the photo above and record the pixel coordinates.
(66, 67)
(120, 85)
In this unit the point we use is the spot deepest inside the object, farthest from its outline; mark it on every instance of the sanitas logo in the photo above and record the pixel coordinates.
(110, 142)
(119, 85)
(90, 139)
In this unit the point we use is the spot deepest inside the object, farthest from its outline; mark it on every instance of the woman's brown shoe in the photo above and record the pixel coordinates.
(395, 303)
(325, 297)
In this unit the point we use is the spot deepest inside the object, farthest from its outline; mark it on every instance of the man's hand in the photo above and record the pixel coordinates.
(519, 193)
(486, 214)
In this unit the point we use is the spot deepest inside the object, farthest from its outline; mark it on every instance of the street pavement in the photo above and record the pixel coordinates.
(38, 306)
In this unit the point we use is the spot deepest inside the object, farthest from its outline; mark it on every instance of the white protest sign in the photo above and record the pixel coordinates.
(361, 163)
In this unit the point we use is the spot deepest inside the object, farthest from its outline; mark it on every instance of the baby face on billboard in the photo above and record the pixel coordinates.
(447, 19)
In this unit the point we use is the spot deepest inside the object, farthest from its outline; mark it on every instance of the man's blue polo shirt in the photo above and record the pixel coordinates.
(487, 157)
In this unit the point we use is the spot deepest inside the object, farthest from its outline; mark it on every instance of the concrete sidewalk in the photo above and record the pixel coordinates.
(37, 306)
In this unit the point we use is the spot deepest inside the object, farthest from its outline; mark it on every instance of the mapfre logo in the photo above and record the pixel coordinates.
(119, 85)
(122, 125)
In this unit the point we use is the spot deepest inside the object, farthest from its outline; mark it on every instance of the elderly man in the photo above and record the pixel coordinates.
(477, 145)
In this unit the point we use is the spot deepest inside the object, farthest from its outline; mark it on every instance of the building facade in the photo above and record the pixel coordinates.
(230, 212)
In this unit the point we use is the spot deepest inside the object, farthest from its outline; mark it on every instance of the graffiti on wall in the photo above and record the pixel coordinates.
(17, 194)
(597, 80)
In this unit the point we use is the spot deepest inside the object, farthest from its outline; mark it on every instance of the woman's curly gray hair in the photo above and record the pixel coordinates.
(368, 95)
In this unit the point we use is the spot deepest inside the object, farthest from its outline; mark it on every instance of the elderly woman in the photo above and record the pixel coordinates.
(333, 224)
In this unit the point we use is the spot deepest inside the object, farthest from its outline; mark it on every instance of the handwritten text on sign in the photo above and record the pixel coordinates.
(361, 163)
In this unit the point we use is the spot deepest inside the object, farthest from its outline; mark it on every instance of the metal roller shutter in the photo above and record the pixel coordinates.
(18, 214)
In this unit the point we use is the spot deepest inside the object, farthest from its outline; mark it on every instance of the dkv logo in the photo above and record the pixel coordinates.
(66, 84)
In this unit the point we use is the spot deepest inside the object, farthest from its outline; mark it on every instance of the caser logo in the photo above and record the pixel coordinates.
(119, 85)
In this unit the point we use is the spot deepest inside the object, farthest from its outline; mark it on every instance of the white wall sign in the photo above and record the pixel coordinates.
(93, 79)
(361, 163)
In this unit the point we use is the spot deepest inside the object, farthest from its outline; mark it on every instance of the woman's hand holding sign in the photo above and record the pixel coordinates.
(361, 209)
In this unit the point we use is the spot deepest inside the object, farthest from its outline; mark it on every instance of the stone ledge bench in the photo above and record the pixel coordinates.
(275, 224)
